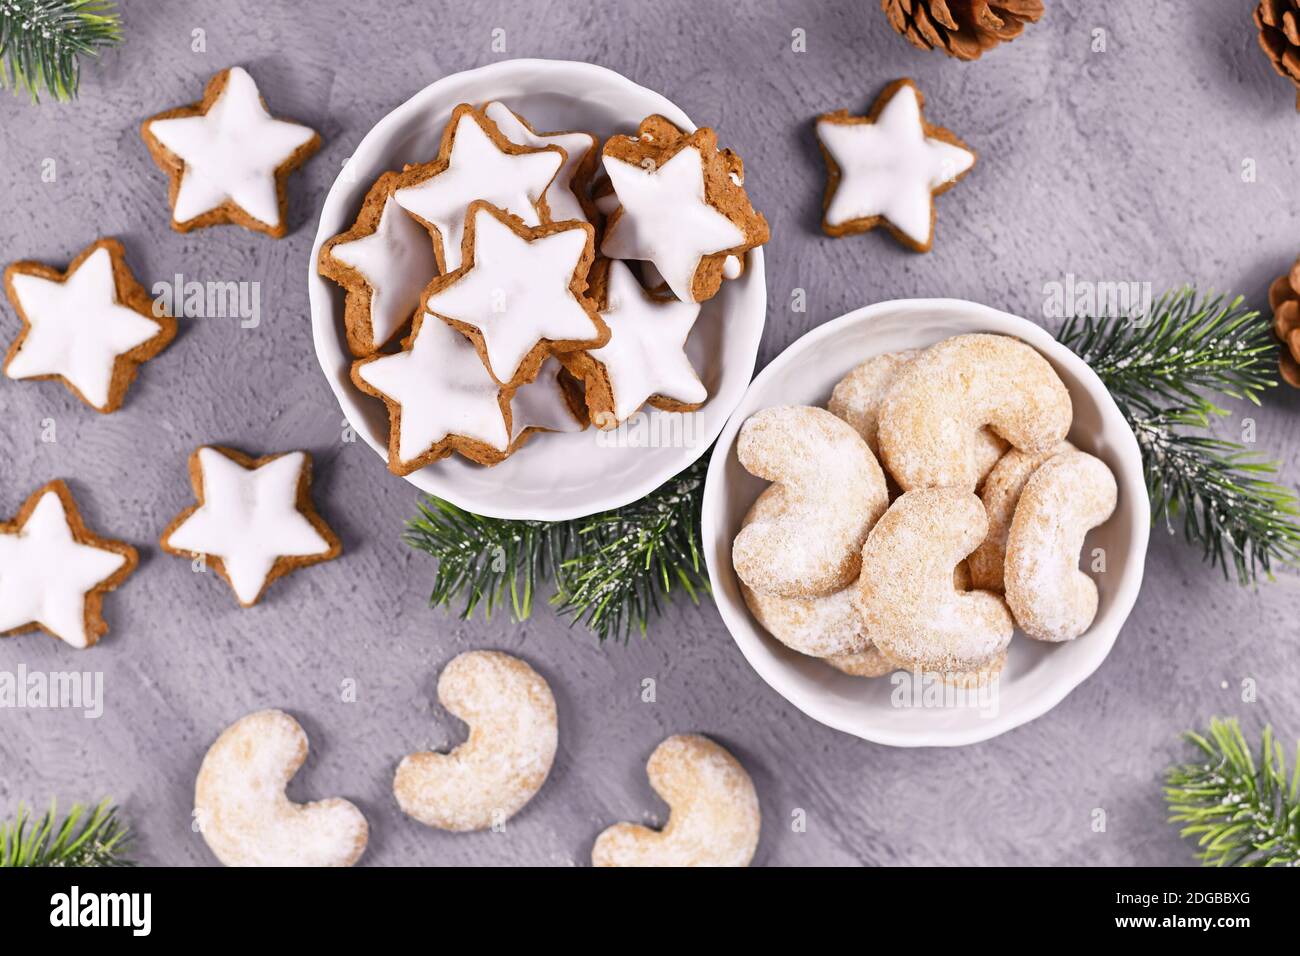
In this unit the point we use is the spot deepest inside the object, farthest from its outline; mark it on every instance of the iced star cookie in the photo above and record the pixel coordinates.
(254, 521)
(568, 195)
(440, 399)
(89, 327)
(682, 206)
(54, 571)
(384, 261)
(520, 293)
(476, 162)
(885, 168)
(552, 402)
(228, 158)
(644, 360)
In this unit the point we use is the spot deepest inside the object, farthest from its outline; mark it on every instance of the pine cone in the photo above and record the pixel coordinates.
(1284, 299)
(961, 28)
(1279, 35)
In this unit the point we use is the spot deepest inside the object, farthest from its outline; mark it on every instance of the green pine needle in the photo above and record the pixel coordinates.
(94, 838)
(1241, 810)
(610, 571)
(41, 41)
(1162, 371)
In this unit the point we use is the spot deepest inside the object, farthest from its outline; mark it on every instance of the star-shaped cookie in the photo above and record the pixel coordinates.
(520, 294)
(228, 158)
(552, 402)
(682, 206)
(440, 399)
(384, 261)
(645, 358)
(89, 327)
(254, 521)
(475, 161)
(567, 196)
(885, 168)
(54, 571)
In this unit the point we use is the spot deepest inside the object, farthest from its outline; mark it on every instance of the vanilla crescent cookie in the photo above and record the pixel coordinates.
(242, 811)
(870, 662)
(520, 292)
(476, 162)
(866, 663)
(819, 626)
(832, 490)
(682, 206)
(1000, 492)
(513, 734)
(857, 398)
(906, 593)
(227, 157)
(384, 261)
(938, 403)
(1067, 496)
(714, 817)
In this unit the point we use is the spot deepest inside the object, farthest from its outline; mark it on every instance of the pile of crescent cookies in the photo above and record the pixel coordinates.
(931, 509)
(521, 283)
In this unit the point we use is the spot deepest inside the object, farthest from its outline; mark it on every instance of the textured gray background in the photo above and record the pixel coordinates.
(1117, 165)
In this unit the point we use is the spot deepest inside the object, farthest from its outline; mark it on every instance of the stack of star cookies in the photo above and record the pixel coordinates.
(490, 295)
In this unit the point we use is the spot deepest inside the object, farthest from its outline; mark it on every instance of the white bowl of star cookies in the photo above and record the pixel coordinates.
(926, 522)
(536, 324)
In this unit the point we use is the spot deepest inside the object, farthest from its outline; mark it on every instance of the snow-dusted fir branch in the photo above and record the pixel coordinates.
(84, 837)
(1167, 372)
(41, 42)
(1242, 810)
(611, 571)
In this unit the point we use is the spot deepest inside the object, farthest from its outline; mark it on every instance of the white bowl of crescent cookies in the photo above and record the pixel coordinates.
(536, 270)
(926, 523)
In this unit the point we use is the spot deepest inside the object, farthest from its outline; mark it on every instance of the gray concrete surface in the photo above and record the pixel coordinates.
(1116, 165)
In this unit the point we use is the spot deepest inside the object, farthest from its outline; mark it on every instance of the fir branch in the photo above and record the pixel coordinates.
(41, 42)
(609, 571)
(1162, 370)
(1184, 348)
(624, 561)
(78, 839)
(1241, 810)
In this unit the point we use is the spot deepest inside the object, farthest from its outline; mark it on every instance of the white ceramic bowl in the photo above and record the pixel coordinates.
(553, 477)
(1037, 675)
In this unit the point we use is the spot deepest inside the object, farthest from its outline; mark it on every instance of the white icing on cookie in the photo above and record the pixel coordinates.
(517, 292)
(248, 518)
(397, 262)
(541, 404)
(478, 169)
(560, 198)
(646, 353)
(45, 573)
(732, 267)
(890, 168)
(667, 219)
(231, 152)
(77, 328)
(443, 390)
